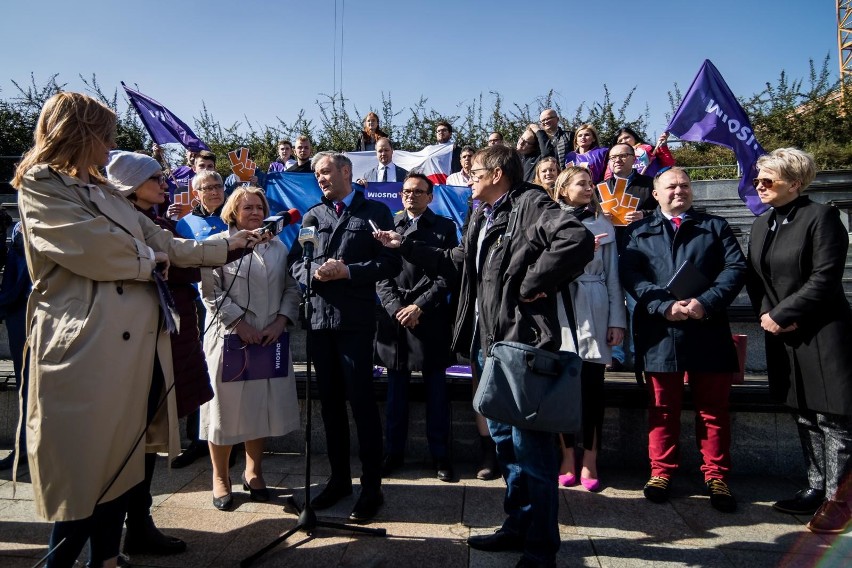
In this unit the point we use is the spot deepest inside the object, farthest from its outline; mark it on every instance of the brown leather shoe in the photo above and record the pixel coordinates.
(832, 518)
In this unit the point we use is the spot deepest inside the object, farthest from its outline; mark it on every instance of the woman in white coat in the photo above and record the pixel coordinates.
(593, 319)
(93, 326)
(255, 299)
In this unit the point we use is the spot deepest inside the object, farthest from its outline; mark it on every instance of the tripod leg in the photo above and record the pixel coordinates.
(251, 559)
(352, 528)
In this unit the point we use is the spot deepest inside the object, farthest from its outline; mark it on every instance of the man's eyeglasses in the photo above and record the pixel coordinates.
(615, 157)
(213, 187)
(547, 119)
(415, 192)
(442, 130)
(765, 182)
(475, 176)
(159, 179)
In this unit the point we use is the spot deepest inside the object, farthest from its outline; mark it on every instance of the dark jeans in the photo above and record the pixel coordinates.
(102, 530)
(529, 462)
(437, 412)
(344, 364)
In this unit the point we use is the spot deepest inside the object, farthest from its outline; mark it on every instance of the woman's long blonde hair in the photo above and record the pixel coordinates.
(70, 129)
(564, 179)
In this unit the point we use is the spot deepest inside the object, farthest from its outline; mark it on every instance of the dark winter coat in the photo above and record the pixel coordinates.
(347, 304)
(547, 248)
(428, 343)
(797, 277)
(652, 255)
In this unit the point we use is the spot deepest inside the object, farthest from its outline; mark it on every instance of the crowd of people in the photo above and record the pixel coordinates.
(136, 318)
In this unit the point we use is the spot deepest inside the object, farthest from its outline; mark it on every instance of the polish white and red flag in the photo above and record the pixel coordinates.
(433, 161)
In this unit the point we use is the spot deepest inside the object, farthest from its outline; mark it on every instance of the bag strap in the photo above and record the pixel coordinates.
(507, 239)
(569, 313)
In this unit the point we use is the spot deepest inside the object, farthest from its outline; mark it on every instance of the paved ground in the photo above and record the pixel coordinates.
(428, 521)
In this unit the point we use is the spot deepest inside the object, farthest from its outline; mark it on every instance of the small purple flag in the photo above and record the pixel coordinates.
(163, 126)
(711, 113)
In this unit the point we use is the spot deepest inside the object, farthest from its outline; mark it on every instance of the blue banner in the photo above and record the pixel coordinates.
(711, 113)
(287, 190)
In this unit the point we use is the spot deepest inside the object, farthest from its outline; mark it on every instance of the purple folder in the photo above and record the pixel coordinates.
(255, 362)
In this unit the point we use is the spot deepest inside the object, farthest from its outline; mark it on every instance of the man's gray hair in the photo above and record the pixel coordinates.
(199, 178)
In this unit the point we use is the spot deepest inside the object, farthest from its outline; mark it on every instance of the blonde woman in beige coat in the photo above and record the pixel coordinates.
(93, 327)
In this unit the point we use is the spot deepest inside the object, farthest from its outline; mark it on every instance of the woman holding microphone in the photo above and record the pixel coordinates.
(95, 337)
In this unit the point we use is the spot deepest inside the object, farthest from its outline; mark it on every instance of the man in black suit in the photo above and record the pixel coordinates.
(343, 325)
(414, 331)
(386, 170)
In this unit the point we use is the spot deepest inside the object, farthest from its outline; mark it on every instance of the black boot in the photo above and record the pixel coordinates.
(145, 538)
(488, 468)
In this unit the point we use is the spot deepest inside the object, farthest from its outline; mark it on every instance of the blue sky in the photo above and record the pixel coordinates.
(262, 59)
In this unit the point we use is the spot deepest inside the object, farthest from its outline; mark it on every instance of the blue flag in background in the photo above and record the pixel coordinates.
(287, 190)
(709, 112)
(163, 126)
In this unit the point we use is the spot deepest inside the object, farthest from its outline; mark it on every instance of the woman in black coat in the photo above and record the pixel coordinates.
(796, 259)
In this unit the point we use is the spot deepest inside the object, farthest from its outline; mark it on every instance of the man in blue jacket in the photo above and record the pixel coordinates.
(685, 331)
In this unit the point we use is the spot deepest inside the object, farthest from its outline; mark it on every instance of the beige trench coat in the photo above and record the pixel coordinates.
(93, 326)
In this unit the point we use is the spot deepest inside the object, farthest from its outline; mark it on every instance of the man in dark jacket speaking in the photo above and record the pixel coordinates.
(343, 324)
(681, 327)
(508, 293)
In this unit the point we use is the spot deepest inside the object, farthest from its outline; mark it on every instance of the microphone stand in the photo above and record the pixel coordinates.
(308, 522)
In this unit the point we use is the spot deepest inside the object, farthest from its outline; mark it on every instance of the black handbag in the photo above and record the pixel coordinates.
(531, 388)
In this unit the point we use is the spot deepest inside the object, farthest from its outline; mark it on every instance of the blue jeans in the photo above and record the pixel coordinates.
(437, 412)
(529, 462)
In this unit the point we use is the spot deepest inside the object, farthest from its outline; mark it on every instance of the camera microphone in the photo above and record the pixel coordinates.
(308, 237)
(276, 223)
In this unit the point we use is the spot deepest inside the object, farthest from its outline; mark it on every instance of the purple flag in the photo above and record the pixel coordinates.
(711, 113)
(163, 126)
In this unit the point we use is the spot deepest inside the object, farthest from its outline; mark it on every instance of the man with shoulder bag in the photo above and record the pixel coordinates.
(518, 248)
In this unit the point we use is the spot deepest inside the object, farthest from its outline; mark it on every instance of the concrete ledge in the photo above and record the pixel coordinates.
(764, 435)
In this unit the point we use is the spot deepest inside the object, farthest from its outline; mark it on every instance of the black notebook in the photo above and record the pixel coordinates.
(687, 282)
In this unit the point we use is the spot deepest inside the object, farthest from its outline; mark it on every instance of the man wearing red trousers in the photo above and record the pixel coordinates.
(684, 331)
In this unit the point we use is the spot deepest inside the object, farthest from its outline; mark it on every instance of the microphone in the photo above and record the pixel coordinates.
(276, 223)
(308, 237)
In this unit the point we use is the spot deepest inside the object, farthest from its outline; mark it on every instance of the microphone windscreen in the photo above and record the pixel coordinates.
(310, 221)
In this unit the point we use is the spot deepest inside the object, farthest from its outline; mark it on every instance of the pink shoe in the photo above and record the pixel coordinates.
(568, 480)
(590, 484)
